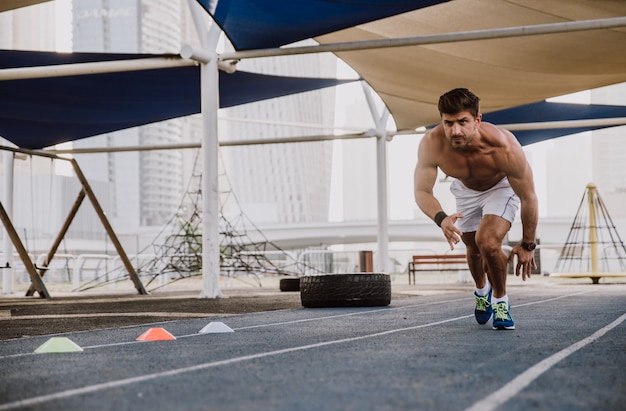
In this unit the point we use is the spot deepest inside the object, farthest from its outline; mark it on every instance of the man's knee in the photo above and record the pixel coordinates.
(488, 244)
(469, 239)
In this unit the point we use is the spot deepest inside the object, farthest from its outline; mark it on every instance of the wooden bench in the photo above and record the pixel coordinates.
(436, 263)
(595, 277)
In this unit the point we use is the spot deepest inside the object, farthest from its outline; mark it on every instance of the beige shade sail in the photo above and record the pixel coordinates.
(6, 5)
(503, 72)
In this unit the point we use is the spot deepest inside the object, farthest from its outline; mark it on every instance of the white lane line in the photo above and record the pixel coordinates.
(148, 377)
(553, 299)
(328, 317)
(520, 382)
(389, 309)
(125, 314)
(305, 320)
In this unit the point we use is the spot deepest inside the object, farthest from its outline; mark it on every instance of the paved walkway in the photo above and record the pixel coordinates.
(424, 351)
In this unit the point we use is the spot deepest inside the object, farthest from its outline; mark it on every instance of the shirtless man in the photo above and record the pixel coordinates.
(492, 178)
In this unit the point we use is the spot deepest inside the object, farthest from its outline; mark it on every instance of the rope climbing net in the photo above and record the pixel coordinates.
(176, 252)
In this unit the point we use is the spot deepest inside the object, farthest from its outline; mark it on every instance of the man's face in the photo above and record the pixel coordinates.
(460, 128)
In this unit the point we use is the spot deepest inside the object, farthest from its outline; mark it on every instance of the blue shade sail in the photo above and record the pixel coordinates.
(255, 24)
(41, 112)
(546, 112)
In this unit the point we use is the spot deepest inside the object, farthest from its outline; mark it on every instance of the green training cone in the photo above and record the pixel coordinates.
(58, 344)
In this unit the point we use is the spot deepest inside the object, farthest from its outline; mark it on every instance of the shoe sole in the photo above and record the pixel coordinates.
(504, 327)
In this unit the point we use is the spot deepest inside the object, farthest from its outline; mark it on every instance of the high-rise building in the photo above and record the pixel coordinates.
(28, 28)
(41, 196)
(593, 157)
(609, 154)
(147, 185)
(281, 183)
(287, 182)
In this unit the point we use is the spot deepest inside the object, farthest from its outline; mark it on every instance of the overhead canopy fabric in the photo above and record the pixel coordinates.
(552, 112)
(505, 72)
(255, 24)
(6, 5)
(38, 113)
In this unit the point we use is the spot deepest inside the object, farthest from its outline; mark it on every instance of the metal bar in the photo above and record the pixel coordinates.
(201, 56)
(35, 279)
(60, 235)
(600, 122)
(381, 180)
(86, 190)
(293, 123)
(603, 122)
(518, 31)
(209, 84)
(93, 150)
(76, 69)
(383, 194)
(40, 153)
(8, 276)
(279, 140)
(107, 226)
(593, 227)
(302, 139)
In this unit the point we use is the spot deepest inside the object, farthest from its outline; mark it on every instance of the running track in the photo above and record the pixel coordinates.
(420, 353)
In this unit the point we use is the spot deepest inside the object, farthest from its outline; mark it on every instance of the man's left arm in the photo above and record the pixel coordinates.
(520, 177)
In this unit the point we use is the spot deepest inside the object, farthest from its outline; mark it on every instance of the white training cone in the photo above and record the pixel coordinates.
(216, 327)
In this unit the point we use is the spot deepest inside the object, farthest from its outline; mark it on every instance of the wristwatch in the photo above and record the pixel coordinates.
(529, 246)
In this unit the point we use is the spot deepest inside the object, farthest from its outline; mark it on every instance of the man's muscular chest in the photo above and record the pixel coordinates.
(475, 171)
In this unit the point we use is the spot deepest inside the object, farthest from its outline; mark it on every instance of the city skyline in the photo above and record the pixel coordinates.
(344, 189)
(575, 149)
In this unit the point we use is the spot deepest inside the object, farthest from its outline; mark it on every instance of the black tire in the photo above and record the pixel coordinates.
(345, 290)
(289, 284)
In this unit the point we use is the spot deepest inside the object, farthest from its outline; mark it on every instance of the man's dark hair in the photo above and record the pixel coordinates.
(457, 100)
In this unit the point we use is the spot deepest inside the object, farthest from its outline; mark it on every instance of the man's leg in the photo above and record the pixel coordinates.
(482, 294)
(488, 240)
(474, 260)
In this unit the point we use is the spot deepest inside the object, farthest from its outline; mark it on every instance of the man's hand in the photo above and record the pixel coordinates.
(525, 261)
(450, 231)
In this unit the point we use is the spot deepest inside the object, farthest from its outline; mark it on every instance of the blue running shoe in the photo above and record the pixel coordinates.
(483, 309)
(502, 317)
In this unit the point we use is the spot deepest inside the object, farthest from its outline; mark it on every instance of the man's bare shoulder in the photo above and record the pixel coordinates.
(430, 146)
(495, 136)
(433, 137)
(507, 151)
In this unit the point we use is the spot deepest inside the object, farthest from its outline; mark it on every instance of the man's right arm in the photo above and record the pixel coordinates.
(424, 180)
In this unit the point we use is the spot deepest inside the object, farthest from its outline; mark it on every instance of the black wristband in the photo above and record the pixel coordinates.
(439, 217)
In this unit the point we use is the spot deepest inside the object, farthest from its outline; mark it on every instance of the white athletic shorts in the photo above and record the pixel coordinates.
(499, 200)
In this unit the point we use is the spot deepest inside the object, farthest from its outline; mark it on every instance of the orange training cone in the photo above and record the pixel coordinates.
(156, 334)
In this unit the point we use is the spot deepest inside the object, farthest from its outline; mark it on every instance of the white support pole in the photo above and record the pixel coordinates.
(7, 263)
(209, 83)
(210, 192)
(382, 260)
(383, 194)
